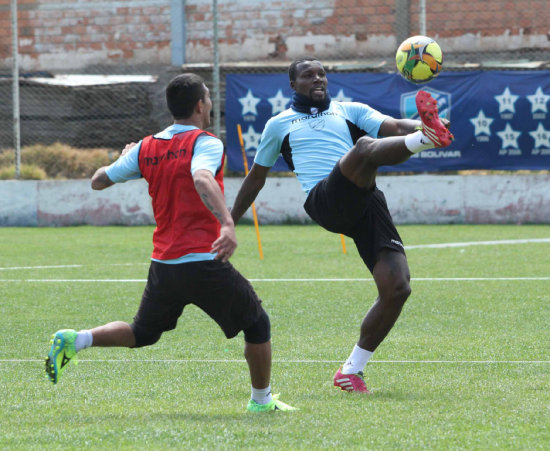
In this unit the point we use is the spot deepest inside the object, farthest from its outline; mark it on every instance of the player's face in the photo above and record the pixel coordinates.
(207, 107)
(311, 80)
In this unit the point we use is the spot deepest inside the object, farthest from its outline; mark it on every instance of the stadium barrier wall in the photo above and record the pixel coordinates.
(414, 199)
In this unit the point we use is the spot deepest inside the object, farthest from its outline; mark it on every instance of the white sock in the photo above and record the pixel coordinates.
(261, 395)
(418, 141)
(83, 340)
(356, 361)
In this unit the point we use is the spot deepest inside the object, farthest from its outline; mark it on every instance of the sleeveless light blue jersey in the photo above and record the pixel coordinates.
(207, 154)
(315, 142)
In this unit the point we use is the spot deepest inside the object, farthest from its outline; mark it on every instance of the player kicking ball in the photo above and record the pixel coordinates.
(335, 149)
(193, 240)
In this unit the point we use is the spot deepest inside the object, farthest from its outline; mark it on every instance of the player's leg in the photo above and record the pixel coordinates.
(257, 351)
(116, 333)
(391, 274)
(66, 343)
(381, 248)
(360, 164)
(229, 299)
(258, 357)
(156, 314)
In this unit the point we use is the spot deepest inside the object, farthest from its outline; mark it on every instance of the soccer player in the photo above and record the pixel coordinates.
(335, 149)
(193, 240)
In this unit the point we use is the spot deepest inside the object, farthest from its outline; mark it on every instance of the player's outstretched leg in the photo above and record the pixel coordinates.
(61, 353)
(432, 127)
(275, 404)
(351, 382)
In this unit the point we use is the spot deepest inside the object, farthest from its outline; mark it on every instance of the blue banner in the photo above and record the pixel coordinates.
(499, 118)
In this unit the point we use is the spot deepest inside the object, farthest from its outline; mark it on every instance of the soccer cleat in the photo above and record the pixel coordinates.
(61, 353)
(351, 382)
(275, 404)
(432, 127)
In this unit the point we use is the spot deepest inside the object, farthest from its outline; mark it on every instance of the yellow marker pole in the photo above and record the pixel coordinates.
(245, 161)
(343, 243)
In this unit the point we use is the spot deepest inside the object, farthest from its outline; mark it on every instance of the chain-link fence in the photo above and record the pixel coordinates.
(92, 74)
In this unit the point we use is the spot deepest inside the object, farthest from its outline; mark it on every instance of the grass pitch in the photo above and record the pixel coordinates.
(466, 366)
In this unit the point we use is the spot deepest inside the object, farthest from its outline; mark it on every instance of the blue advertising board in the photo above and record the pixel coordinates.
(499, 118)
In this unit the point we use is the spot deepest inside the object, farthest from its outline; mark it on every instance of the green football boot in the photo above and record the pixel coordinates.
(61, 353)
(275, 404)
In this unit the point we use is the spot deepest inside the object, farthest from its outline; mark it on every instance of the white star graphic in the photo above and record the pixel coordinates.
(538, 101)
(506, 101)
(249, 103)
(278, 103)
(482, 124)
(251, 138)
(541, 136)
(341, 97)
(509, 137)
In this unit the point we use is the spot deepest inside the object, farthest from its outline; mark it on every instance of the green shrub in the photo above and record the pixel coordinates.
(61, 161)
(27, 172)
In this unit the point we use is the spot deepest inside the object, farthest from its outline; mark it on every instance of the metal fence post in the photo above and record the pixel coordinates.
(15, 90)
(216, 71)
(179, 33)
(422, 18)
(402, 27)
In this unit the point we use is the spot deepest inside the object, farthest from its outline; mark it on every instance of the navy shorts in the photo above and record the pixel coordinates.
(215, 287)
(340, 206)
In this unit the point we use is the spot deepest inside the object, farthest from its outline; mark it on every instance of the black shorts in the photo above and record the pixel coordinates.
(340, 206)
(215, 287)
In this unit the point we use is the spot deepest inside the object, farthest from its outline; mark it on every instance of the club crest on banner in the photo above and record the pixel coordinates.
(408, 103)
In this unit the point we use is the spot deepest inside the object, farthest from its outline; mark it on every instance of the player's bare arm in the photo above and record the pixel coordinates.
(101, 180)
(252, 185)
(212, 197)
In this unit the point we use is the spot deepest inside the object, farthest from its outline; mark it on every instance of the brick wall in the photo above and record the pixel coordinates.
(73, 33)
(77, 33)
(341, 28)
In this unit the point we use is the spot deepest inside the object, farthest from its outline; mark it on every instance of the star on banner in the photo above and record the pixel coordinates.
(506, 101)
(509, 137)
(538, 101)
(341, 97)
(249, 103)
(541, 136)
(278, 102)
(482, 124)
(251, 138)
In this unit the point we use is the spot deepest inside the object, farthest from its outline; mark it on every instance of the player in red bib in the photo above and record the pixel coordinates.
(193, 240)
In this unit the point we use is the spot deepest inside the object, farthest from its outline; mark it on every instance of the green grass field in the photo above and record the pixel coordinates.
(466, 367)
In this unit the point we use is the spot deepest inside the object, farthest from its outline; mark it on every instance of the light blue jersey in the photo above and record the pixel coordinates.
(207, 154)
(312, 144)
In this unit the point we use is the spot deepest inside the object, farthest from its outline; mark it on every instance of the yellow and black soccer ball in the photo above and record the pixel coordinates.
(419, 59)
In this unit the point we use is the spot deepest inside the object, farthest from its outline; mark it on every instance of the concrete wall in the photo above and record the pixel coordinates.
(422, 199)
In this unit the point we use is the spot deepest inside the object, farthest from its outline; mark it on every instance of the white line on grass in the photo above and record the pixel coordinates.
(414, 279)
(414, 246)
(478, 243)
(545, 362)
(11, 268)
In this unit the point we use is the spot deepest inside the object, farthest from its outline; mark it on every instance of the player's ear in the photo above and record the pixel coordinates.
(199, 106)
(292, 85)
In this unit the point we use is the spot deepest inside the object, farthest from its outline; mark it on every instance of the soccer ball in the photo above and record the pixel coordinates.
(419, 59)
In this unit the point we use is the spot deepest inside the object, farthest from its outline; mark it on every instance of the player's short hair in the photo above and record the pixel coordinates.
(293, 68)
(182, 94)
